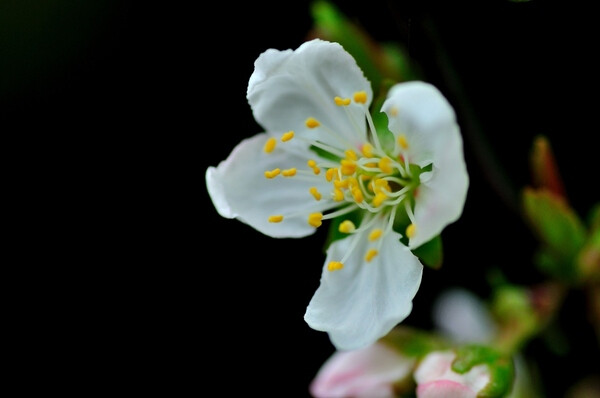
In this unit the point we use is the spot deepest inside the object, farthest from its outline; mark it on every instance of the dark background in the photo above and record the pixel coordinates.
(120, 107)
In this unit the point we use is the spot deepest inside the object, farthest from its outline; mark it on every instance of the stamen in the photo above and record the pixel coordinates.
(312, 123)
(357, 195)
(338, 195)
(360, 97)
(311, 163)
(402, 141)
(347, 227)
(370, 254)
(287, 136)
(270, 145)
(316, 170)
(314, 219)
(411, 230)
(330, 174)
(334, 266)
(367, 150)
(348, 167)
(273, 173)
(379, 198)
(385, 164)
(350, 154)
(375, 234)
(276, 218)
(339, 101)
(314, 192)
(289, 172)
(340, 212)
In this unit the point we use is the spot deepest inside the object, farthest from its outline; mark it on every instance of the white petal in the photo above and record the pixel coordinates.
(239, 189)
(441, 198)
(463, 317)
(288, 87)
(363, 301)
(369, 372)
(420, 112)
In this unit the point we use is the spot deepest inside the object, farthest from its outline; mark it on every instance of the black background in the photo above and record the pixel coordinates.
(121, 106)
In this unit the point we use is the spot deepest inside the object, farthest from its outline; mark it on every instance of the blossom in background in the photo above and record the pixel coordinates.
(321, 158)
(368, 372)
(435, 377)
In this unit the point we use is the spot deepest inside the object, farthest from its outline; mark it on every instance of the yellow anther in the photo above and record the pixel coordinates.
(348, 167)
(314, 219)
(311, 163)
(385, 164)
(364, 177)
(311, 123)
(338, 195)
(289, 172)
(357, 195)
(350, 154)
(360, 97)
(334, 266)
(367, 150)
(375, 234)
(273, 173)
(370, 254)
(411, 230)
(394, 111)
(270, 145)
(402, 141)
(277, 218)
(330, 173)
(314, 192)
(371, 164)
(379, 198)
(341, 183)
(339, 101)
(316, 170)
(352, 182)
(287, 136)
(347, 227)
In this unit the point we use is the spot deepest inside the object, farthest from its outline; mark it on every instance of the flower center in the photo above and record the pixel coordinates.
(366, 177)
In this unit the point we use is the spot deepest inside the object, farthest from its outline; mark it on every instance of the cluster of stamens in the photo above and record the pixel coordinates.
(365, 178)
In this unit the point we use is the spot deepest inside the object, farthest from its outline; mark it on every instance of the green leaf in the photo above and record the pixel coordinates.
(500, 367)
(431, 253)
(560, 231)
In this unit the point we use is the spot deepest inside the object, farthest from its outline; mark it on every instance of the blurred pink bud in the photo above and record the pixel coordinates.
(365, 373)
(435, 378)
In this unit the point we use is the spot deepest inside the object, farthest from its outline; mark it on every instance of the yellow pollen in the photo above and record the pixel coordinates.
(273, 173)
(370, 254)
(339, 101)
(277, 218)
(360, 97)
(364, 177)
(348, 167)
(270, 145)
(411, 230)
(311, 123)
(316, 170)
(314, 219)
(352, 182)
(394, 111)
(340, 183)
(287, 136)
(289, 172)
(347, 227)
(379, 198)
(367, 150)
(350, 154)
(330, 173)
(371, 164)
(375, 234)
(334, 266)
(385, 164)
(402, 141)
(314, 192)
(338, 195)
(311, 163)
(357, 195)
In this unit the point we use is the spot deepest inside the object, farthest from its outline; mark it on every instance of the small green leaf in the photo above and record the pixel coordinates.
(500, 367)
(431, 253)
(559, 229)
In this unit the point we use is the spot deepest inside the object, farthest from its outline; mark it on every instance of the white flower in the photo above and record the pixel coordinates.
(321, 158)
(369, 372)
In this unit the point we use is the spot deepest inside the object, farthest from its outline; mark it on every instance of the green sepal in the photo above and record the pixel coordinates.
(413, 343)
(559, 229)
(431, 253)
(500, 367)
